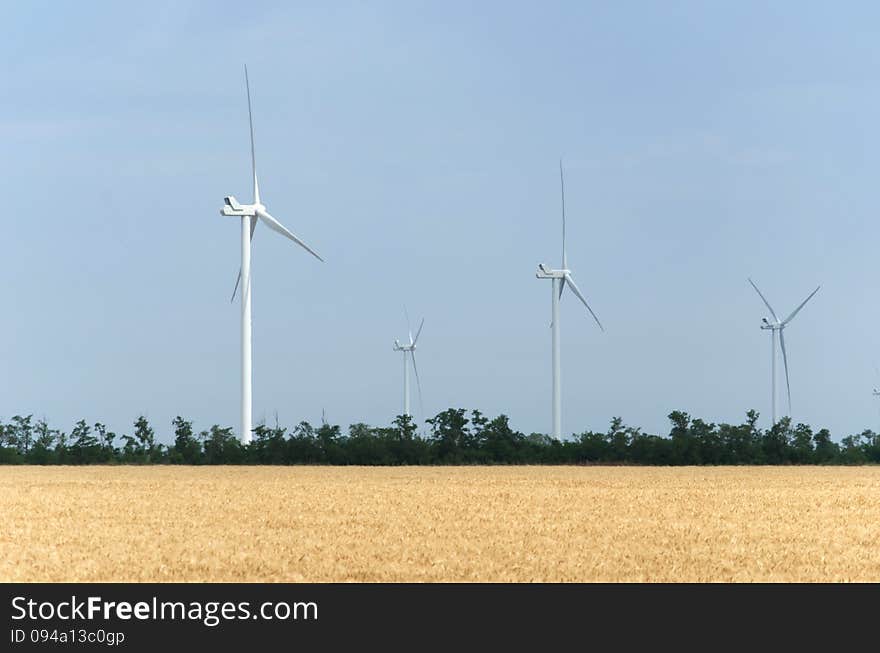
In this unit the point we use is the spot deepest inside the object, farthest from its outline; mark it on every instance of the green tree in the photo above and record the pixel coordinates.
(872, 447)
(145, 440)
(22, 433)
(501, 443)
(825, 450)
(852, 448)
(106, 441)
(406, 428)
(187, 449)
(269, 445)
(776, 442)
(328, 439)
(43, 452)
(618, 440)
(84, 446)
(451, 435)
(802, 444)
(684, 450)
(222, 447)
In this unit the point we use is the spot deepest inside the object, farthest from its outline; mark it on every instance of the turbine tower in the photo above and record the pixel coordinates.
(250, 214)
(561, 279)
(411, 350)
(775, 327)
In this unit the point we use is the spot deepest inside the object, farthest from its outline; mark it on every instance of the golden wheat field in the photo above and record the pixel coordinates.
(268, 524)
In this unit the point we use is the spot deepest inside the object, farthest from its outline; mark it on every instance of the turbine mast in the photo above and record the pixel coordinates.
(773, 376)
(557, 373)
(405, 385)
(246, 344)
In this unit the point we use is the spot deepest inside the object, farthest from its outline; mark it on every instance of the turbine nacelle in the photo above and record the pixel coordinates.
(546, 272)
(232, 207)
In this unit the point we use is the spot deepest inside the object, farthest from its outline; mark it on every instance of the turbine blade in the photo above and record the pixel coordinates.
(247, 84)
(577, 292)
(412, 355)
(274, 225)
(235, 290)
(562, 186)
(766, 303)
(561, 285)
(408, 325)
(238, 280)
(419, 331)
(797, 310)
(785, 363)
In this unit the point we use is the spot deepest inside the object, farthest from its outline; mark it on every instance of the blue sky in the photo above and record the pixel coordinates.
(415, 146)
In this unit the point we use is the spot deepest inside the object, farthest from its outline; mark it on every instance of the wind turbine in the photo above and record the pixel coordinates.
(561, 278)
(250, 214)
(876, 392)
(411, 349)
(777, 326)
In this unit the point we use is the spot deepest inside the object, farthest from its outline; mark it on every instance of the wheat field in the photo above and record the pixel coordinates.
(330, 524)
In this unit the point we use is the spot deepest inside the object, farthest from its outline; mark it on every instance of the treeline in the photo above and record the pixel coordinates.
(456, 436)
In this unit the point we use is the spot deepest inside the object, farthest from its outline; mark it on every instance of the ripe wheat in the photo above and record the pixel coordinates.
(267, 524)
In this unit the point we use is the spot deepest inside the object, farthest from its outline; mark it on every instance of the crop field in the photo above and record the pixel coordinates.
(267, 524)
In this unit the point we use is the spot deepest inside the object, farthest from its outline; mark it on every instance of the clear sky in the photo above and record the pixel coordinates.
(415, 146)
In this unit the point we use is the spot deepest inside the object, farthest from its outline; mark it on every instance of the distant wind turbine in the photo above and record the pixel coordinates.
(561, 278)
(411, 350)
(249, 214)
(777, 327)
(876, 392)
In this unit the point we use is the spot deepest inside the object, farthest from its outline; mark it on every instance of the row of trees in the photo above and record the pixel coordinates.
(456, 436)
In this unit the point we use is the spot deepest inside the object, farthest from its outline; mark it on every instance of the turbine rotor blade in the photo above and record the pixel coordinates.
(797, 310)
(766, 303)
(785, 363)
(412, 355)
(408, 325)
(561, 286)
(562, 186)
(238, 280)
(247, 84)
(577, 292)
(274, 225)
(235, 290)
(419, 332)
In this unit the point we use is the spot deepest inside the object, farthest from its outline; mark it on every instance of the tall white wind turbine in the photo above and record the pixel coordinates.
(250, 214)
(410, 349)
(561, 279)
(775, 327)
